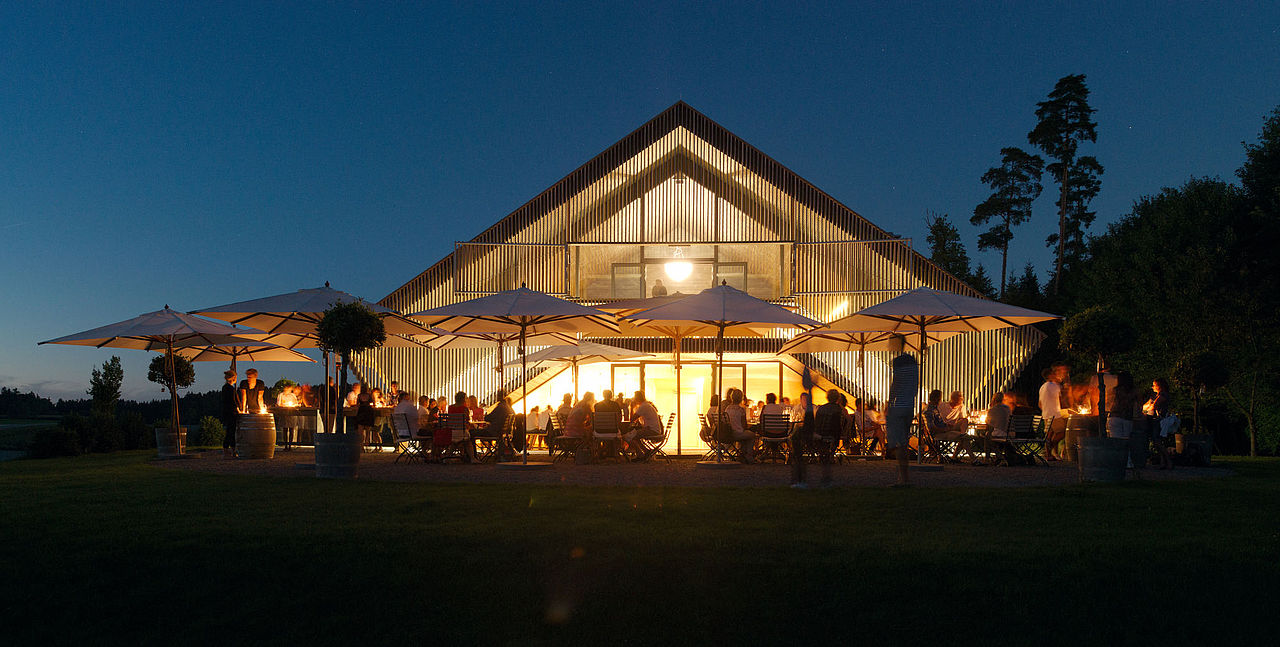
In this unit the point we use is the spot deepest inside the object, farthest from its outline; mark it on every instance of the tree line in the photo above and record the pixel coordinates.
(1191, 268)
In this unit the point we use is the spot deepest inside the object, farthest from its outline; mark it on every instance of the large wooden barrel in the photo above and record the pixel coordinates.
(1078, 427)
(1103, 459)
(338, 455)
(256, 435)
(1138, 442)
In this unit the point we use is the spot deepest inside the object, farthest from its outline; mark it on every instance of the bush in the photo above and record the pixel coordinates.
(106, 434)
(52, 442)
(78, 426)
(210, 433)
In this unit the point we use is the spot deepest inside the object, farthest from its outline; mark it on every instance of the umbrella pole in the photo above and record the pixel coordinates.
(502, 372)
(679, 394)
(173, 394)
(524, 387)
(720, 379)
(923, 431)
(574, 369)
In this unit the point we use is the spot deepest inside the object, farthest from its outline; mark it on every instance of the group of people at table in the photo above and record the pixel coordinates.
(737, 418)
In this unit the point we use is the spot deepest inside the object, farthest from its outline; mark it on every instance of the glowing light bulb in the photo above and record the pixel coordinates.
(678, 270)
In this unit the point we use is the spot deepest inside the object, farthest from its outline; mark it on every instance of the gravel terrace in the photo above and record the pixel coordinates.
(679, 473)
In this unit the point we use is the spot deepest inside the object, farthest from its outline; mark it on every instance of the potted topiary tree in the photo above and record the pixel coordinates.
(1199, 372)
(173, 372)
(345, 329)
(1098, 333)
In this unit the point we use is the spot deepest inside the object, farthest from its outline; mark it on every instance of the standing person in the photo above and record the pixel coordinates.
(366, 416)
(229, 410)
(802, 424)
(901, 407)
(1120, 401)
(659, 290)
(253, 393)
(1156, 410)
(1051, 409)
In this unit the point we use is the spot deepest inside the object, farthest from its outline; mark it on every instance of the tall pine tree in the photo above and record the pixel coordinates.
(1015, 184)
(1065, 121)
(946, 250)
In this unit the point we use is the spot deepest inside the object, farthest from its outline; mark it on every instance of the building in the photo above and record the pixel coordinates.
(684, 202)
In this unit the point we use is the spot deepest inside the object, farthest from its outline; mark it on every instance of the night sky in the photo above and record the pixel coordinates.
(193, 156)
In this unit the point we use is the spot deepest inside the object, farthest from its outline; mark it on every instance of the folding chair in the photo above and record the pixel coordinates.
(455, 437)
(653, 446)
(485, 442)
(827, 430)
(775, 429)
(605, 436)
(1026, 438)
(560, 446)
(725, 445)
(408, 442)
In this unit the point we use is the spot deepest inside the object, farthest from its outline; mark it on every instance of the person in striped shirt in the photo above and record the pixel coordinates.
(901, 406)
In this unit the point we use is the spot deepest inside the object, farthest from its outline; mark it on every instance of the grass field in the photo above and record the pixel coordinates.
(16, 433)
(111, 549)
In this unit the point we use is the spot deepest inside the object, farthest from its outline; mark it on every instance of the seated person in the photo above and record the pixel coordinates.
(366, 416)
(428, 414)
(287, 397)
(645, 423)
(939, 430)
(497, 418)
(407, 407)
(868, 422)
(578, 424)
(353, 398)
(828, 420)
(444, 435)
(712, 418)
(565, 408)
(954, 412)
(378, 400)
(473, 405)
(772, 408)
(999, 413)
(608, 404)
(736, 414)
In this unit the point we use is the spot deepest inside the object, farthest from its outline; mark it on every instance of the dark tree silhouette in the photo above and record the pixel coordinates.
(1065, 121)
(1015, 184)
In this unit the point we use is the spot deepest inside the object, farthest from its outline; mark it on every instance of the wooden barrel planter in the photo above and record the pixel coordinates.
(1078, 427)
(256, 435)
(1139, 442)
(338, 454)
(167, 442)
(1103, 459)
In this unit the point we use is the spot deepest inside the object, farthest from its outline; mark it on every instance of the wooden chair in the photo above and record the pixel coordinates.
(408, 442)
(606, 436)
(775, 430)
(560, 446)
(1026, 438)
(653, 446)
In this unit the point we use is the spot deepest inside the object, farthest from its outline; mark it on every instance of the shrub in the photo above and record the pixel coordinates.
(78, 426)
(209, 434)
(106, 434)
(52, 442)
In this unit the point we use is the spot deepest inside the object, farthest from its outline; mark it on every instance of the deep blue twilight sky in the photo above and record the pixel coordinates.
(192, 155)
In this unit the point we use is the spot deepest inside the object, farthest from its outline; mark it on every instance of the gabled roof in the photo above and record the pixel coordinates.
(649, 150)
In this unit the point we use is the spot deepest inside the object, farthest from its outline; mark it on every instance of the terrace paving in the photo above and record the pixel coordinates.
(679, 473)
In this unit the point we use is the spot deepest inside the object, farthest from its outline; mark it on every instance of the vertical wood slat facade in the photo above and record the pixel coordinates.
(682, 187)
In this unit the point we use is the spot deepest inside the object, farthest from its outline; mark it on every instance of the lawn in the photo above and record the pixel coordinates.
(111, 549)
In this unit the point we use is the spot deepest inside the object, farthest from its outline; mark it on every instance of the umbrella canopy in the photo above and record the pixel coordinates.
(290, 319)
(160, 330)
(826, 340)
(521, 311)
(939, 311)
(252, 351)
(445, 340)
(584, 352)
(720, 311)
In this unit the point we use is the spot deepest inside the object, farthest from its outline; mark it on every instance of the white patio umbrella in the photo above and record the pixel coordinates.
(583, 352)
(290, 320)
(924, 311)
(826, 340)
(162, 330)
(259, 351)
(445, 340)
(722, 310)
(523, 311)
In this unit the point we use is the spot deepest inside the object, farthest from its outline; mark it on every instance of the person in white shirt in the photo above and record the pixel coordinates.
(409, 408)
(353, 397)
(955, 413)
(1055, 418)
(771, 406)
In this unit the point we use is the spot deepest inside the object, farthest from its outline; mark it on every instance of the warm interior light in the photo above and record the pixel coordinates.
(678, 270)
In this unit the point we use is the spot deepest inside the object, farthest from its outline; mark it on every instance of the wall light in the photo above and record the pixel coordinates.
(678, 270)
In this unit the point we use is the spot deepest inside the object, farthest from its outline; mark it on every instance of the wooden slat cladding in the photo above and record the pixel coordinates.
(682, 184)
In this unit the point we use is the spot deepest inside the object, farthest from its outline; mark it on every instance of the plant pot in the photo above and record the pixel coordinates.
(168, 443)
(1103, 459)
(256, 435)
(338, 454)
